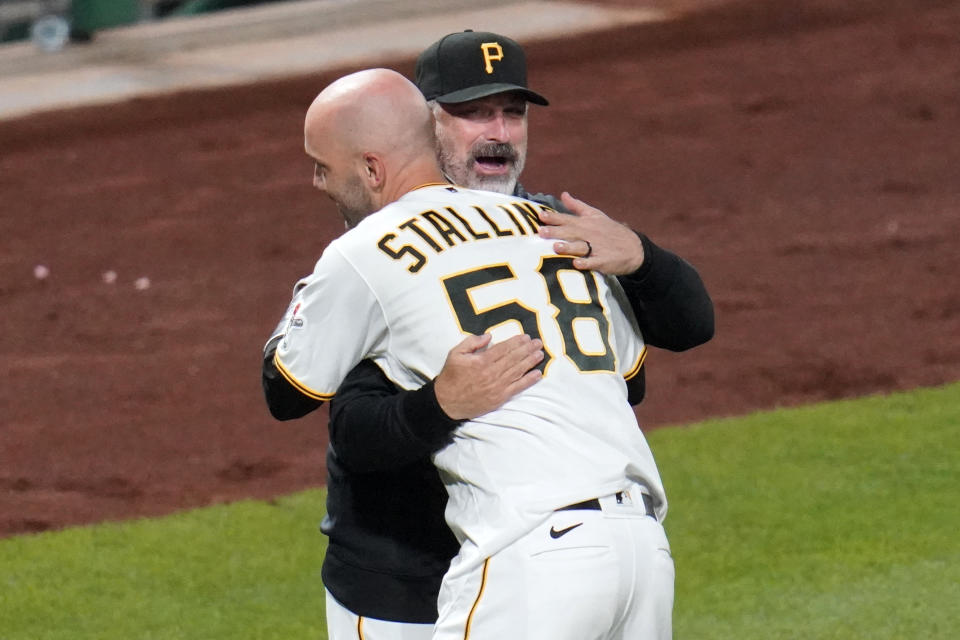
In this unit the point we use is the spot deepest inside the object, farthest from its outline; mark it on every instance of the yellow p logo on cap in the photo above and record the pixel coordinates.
(491, 51)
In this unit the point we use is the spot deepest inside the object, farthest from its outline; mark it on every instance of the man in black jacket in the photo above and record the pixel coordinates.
(389, 545)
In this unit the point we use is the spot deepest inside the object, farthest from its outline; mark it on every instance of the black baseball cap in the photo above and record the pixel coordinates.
(473, 64)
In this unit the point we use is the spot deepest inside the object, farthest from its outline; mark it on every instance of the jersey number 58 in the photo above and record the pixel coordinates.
(477, 321)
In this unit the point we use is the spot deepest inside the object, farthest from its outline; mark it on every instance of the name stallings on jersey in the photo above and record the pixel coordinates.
(432, 231)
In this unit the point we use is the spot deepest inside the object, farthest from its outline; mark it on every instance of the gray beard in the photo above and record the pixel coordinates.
(458, 173)
(499, 184)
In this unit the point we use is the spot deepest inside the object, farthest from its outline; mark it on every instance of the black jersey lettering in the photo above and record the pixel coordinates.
(493, 225)
(478, 321)
(443, 227)
(568, 311)
(530, 214)
(513, 219)
(397, 254)
(477, 235)
(411, 224)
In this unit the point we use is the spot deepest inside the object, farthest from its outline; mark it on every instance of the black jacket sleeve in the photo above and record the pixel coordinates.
(374, 426)
(669, 299)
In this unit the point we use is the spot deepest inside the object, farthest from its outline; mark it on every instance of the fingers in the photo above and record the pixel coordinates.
(471, 343)
(551, 216)
(513, 350)
(556, 225)
(579, 248)
(570, 202)
(575, 226)
(596, 241)
(524, 365)
(577, 207)
(510, 360)
(518, 370)
(476, 380)
(585, 264)
(528, 379)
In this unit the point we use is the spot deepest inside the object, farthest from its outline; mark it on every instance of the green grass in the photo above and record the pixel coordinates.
(833, 521)
(247, 570)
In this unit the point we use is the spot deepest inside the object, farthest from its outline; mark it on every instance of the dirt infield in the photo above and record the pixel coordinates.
(804, 162)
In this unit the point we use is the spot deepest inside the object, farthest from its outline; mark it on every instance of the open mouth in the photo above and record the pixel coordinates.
(493, 164)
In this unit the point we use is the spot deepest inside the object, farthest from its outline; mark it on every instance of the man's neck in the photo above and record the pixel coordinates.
(407, 181)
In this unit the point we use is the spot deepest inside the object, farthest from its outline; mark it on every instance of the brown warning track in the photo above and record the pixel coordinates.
(805, 161)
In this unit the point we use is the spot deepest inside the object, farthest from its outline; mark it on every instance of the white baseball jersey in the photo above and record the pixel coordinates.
(410, 281)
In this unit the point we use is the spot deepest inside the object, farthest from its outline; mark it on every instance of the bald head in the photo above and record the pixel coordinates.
(373, 109)
(376, 128)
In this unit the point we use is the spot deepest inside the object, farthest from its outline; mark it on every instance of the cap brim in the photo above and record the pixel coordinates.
(484, 90)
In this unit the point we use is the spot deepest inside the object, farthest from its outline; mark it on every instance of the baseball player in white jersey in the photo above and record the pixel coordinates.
(555, 496)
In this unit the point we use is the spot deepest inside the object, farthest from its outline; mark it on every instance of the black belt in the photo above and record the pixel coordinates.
(594, 504)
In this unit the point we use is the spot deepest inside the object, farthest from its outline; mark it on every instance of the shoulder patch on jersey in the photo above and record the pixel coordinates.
(297, 322)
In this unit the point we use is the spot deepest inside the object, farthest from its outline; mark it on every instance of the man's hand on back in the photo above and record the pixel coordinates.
(476, 379)
(599, 242)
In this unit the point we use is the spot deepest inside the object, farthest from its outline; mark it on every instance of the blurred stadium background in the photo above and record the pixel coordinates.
(37, 19)
(21, 19)
(63, 53)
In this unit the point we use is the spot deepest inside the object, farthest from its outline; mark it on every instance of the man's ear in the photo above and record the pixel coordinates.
(374, 173)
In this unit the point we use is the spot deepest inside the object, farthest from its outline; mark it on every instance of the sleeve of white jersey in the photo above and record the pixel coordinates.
(334, 321)
(631, 350)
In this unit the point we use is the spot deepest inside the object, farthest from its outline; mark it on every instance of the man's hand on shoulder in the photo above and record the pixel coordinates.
(598, 241)
(476, 379)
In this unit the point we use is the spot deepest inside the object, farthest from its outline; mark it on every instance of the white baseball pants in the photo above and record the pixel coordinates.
(582, 575)
(343, 624)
